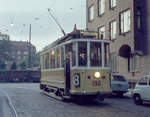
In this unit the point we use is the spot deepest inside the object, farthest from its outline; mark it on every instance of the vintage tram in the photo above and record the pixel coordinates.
(76, 66)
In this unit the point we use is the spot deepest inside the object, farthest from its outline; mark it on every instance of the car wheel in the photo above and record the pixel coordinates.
(137, 100)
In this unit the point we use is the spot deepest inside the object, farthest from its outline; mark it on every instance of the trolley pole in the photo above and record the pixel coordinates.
(62, 30)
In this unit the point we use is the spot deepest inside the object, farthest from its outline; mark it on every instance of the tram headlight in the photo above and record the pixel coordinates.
(97, 75)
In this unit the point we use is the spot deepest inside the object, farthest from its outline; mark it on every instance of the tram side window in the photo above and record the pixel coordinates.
(82, 53)
(46, 61)
(106, 54)
(62, 57)
(68, 49)
(52, 58)
(95, 54)
(43, 62)
(58, 58)
(74, 54)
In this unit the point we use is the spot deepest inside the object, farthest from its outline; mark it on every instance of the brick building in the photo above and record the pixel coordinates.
(127, 24)
(20, 50)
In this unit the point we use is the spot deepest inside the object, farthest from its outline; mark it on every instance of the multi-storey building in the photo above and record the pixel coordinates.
(20, 50)
(127, 24)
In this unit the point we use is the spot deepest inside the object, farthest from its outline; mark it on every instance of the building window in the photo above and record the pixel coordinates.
(101, 32)
(19, 57)
(18, 52)
(25, 52)
(113, 27)
(125, 21)
(112, 3)
(135, 63)
(139, 18)
(113, 62)
(91, 13)
(101, 7)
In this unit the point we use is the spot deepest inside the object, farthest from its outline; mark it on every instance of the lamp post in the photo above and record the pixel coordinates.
(29, 59)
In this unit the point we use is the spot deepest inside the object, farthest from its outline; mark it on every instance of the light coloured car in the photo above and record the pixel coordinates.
(119, 84)
(141, 91)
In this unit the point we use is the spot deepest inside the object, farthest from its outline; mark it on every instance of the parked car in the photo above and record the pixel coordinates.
(141, 92)
(119, 84)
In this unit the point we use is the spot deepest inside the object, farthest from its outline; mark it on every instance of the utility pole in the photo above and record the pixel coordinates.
(56, 22)
(29, 59)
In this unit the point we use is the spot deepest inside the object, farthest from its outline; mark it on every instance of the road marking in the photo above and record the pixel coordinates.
(10, 103)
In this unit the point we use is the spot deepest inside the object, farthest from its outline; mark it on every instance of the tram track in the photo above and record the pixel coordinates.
(10, 104)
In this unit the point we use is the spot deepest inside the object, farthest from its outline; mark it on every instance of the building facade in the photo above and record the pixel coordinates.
(127, 24)
(20, 50)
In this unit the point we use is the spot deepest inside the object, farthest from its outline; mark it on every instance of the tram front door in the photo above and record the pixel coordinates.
(67, 75)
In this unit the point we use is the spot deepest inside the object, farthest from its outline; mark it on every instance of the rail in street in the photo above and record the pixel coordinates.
(27, 101)
(5, 104)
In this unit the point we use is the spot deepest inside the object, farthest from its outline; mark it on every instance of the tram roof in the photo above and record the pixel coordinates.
(76, 34)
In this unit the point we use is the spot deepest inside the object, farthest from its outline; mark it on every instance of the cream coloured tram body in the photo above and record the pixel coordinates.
(76, 66)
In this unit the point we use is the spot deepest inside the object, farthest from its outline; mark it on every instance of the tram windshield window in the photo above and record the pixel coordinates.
(82, 53)
(58, 58)
(95, 54)
(106, 54)
(74, 54)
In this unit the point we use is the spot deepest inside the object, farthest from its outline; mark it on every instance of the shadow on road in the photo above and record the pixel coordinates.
(118, 97)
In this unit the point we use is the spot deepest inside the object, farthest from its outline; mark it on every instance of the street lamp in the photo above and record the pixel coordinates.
(29, 59)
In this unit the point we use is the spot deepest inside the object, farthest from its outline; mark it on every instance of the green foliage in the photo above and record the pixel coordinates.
(35, 61)
(2, 65)
(23, 65)
(5, 50)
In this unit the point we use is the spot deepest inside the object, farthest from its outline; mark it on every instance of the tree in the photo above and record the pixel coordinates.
(2, 65)
(14, 66)
(5, 50)
(35, 61)
(23, 65)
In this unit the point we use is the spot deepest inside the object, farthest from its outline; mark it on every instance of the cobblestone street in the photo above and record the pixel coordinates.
(30, 102)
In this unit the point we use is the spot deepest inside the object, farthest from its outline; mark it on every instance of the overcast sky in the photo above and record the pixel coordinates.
(44, 31)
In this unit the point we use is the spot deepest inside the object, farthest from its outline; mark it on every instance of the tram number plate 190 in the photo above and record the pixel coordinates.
(96, 83)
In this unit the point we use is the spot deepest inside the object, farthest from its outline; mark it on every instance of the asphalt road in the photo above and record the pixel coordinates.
(30, 102)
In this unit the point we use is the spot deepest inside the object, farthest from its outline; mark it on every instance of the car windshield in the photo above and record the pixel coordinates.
(118, 78)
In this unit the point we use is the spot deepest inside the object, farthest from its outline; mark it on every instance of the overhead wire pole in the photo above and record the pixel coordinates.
(56, 22)
(29, 60)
